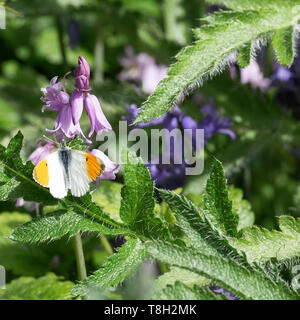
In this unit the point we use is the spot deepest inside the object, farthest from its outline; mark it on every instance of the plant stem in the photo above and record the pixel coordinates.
(99, 55)
(81, 269)
(59, 28)
(106, 245)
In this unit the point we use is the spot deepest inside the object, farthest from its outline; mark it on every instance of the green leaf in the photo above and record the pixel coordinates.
(55, 225)
(85, 206)
(244, 282)
(185, 276)
(117, 267)
(202, 235)
(190, 221)
(218, 208)
(242, 207)
(180, 291)
(224, 33)
(261, 245)
(16, 177)
(254, 4)
(49, 287)
(283, 43)
(244, 55)
(137, 205)
(108, 196)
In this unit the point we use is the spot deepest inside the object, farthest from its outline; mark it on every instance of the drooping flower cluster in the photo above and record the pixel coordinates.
(82, 98)
(67, 124)
(69, 112)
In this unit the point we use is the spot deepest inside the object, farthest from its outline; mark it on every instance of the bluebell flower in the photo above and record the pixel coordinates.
(287, 81)
(212, 124)
(172, 176)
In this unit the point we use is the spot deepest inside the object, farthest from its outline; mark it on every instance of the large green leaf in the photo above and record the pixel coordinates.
(137, 205)
(260, 244)
(189, 220)
(243, 281)
(224, 33)
(284, 46)
(108, 196)
(57, 224)
(118, 267)
(85, 206)
(180, 291)
(199, 231)
(185, 276)
(242, 207)
(49, 287)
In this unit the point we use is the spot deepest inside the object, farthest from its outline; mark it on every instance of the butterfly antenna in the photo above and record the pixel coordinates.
(50, 140)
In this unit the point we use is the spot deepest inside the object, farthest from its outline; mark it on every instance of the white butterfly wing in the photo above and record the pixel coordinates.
(78, 176)
(58, 184)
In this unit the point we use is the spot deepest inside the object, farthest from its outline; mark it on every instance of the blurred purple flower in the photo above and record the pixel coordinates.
(253, 75)
(142, 70)
(81, 97)
(282, 74)
(30, 206)
(212, 124)
(168, 176)
(73, 32)
(219, 290)
(287, 82)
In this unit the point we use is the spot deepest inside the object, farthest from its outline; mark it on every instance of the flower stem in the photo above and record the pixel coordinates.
(106, 245)
(81, 269)
(99, 55)
(59, 28)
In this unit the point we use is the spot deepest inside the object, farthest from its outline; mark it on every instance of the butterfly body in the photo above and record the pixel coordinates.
(68, 169)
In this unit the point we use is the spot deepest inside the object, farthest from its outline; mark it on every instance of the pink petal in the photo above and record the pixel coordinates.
(77, 105)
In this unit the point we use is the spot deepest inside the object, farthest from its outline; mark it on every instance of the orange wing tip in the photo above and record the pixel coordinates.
(94, 166)
(41, 173)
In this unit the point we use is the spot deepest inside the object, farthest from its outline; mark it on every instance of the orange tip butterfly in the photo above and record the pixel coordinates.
(67, 169)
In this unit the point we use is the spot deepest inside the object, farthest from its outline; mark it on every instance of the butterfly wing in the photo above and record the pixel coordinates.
(50, 173)
(84, 168)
